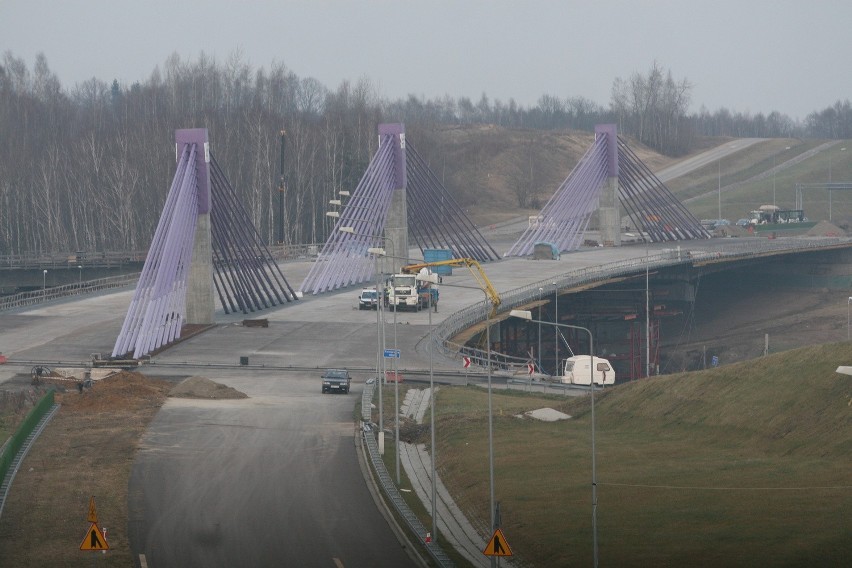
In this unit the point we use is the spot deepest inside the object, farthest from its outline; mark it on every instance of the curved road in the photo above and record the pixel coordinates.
(273, 479)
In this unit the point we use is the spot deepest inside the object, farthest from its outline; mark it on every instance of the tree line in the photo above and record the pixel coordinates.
(87, 168)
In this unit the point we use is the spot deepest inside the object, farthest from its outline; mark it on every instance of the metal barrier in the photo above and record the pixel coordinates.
(387, 484)
(24, 299)
(65, 260)
(19, 444)
(479, 312)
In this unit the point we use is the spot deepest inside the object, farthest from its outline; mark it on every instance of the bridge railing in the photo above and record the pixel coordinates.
(512, 299)
(70, 260)
(30, 298)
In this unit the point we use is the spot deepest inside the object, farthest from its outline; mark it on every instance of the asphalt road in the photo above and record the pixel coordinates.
(274, 479)
(271, 480)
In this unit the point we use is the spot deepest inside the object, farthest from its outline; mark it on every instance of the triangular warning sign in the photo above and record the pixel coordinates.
(93, 512)
(94, 539)
(497, 546)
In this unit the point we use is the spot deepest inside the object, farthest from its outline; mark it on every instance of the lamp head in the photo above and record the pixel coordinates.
(350, 230)
(521, 314)
(334, 214)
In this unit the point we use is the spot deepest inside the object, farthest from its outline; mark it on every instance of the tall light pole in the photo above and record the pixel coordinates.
(829, 181)
(488, 322)
(773, 176)
(43, 282)
(556, 319)
(540, 290)
(80, 270)
(720, 188)
(647, 315)
(379, 316)
(395, 365)
(527, 315)
(432, 418)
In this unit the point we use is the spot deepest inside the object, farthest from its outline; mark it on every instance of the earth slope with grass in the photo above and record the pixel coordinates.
(745, 465)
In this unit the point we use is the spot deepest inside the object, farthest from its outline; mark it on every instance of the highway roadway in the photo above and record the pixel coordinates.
(274, 479)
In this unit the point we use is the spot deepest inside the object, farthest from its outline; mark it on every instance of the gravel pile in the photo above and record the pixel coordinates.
(202, 387)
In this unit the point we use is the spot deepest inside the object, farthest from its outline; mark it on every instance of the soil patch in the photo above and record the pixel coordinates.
(87, 450)
(202, 387)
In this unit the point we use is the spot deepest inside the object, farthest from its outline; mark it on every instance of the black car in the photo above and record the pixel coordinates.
(336, 380)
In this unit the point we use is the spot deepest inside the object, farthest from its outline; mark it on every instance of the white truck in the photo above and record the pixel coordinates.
(412, 291)
(577, 371)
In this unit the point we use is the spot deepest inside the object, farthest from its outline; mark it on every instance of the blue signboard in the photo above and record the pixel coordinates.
(391, 353)
(714, 361)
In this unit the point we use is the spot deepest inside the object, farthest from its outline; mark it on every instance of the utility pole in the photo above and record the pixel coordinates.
(282, 190)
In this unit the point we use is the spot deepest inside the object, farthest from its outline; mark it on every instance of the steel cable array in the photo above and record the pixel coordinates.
(434, 219)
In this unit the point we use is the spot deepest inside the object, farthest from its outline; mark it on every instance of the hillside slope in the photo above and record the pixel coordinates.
(497, 173)
(745, 465)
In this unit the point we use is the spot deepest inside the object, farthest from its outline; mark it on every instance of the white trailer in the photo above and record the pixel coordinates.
(577, 371)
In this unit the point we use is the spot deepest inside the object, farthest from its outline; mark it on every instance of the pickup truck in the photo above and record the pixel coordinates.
(336, 380)
(368, 299)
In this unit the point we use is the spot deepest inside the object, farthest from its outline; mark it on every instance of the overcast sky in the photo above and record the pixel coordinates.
(793, 56)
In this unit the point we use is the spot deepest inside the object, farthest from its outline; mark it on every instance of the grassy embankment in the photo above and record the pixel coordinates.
(744, 465)
(700, 187)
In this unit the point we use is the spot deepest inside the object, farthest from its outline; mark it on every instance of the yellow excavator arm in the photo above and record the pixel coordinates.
(475, 269)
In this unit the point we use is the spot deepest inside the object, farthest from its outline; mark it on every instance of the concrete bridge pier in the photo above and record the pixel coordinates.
(396, 226)
(200, 302)
(609, 209)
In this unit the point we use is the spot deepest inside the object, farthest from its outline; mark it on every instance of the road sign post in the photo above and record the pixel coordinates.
(497, 546)
(95, 539)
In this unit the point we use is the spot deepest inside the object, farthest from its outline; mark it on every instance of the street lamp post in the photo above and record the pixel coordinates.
(80, 281)
(647, 315)
(773, 176)
(540, 290)
(488, 322)
(556, 319)
(720, 188)
(847, 317)
(379, 317)
(527, 315)
(44, 282)
(395, 365)
(829, 181)
(432, 422)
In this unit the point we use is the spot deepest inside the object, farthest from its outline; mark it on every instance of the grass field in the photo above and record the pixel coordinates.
(702, 184)
(745, 465)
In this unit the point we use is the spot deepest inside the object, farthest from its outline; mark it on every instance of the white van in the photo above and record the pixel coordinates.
(577, 371)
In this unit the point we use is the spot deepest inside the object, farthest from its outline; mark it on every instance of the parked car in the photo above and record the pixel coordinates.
(336, 380)
(368, 299)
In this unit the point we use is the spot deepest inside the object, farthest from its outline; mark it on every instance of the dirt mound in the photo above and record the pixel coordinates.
(826, 229)
(115, 393)
(731, 231)
(202, 387)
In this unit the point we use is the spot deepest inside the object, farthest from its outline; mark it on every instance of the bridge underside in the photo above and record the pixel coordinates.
(692, 310)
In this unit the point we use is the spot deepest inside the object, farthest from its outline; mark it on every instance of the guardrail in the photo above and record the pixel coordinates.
(387, 484)
(479, 312)
(86, 259)
(23, 299)
(18, 446)
(68, 260)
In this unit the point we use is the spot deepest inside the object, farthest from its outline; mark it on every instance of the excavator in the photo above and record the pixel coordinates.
(475, 269)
